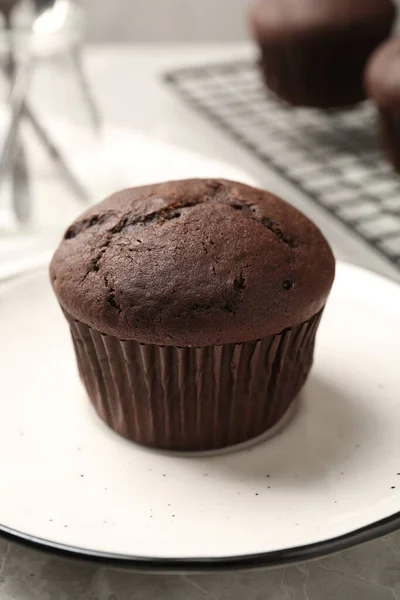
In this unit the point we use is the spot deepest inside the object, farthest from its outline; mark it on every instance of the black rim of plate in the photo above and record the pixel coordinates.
(183, 565)
(179, 565)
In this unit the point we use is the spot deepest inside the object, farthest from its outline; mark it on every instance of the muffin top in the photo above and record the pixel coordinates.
(382, 75)
(192, 263)
(277, 18)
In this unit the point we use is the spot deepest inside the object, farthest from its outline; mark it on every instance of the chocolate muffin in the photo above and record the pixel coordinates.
(382, 82)
(6, 6)
(313, 52)
(193, 307)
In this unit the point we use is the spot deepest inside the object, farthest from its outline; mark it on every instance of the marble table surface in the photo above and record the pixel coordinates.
(368, 572)
(127, 82)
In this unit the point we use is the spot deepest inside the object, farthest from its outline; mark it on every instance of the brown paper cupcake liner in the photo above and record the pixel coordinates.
(301, 71)
(193, 398)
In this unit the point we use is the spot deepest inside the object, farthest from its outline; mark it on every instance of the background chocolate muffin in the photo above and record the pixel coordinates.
(313, 52)
(193, 307)
(382, 82)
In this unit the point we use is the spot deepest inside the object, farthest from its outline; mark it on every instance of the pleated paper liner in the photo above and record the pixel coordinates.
(193, 399)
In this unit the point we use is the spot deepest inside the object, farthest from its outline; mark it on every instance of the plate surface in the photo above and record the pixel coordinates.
(71, 483)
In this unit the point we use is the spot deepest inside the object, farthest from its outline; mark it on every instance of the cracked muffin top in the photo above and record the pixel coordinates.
(192, 263)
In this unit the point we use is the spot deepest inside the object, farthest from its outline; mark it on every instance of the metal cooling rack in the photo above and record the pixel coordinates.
(334, 158)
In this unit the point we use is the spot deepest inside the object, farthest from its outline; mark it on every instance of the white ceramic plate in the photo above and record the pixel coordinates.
(330, 479)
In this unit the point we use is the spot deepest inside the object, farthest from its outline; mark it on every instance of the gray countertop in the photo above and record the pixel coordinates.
(369, 572)
(128, 85)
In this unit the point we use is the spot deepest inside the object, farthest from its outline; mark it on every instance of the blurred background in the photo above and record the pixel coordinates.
(177, 20)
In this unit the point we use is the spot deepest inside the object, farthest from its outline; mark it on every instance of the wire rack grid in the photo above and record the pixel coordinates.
(333, 157)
